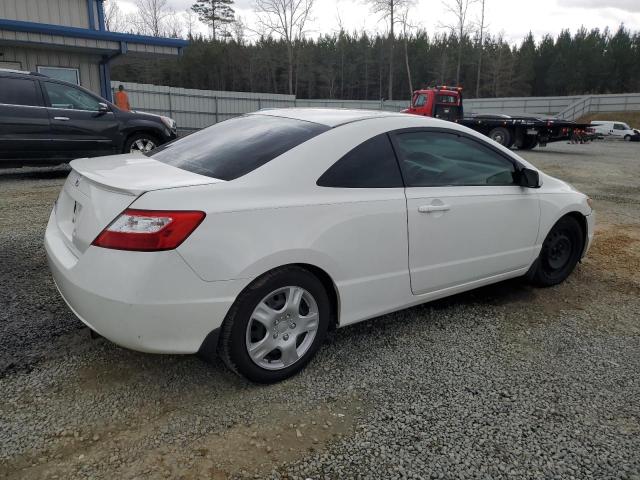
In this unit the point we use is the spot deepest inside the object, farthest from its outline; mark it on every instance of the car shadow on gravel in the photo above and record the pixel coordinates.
(514, 292)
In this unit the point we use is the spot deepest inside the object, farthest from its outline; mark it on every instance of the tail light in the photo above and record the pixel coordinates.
(149, 230)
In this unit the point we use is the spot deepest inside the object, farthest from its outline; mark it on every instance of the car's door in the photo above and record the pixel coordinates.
(80, 125)
(468, 219)
(24, 123)
(618, 130)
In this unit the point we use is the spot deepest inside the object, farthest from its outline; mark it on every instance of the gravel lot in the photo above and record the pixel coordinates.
(506, 381)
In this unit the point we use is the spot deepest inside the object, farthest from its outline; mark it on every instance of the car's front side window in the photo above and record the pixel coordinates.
(372, 164)
(436, 159)
(64, 96)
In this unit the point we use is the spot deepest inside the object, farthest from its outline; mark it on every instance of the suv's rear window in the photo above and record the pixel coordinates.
(235, 147)
(19, 91)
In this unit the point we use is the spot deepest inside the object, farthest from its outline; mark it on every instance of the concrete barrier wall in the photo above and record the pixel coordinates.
(194, 109)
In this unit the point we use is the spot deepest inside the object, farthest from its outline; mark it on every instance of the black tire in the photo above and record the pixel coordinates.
(232, 346)
(511, 142)
(501, 136)
(627, 138)
(560, 253)
(142, 138)
(529, 142)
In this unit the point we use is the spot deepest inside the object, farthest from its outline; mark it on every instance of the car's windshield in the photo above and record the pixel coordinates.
(230, 149)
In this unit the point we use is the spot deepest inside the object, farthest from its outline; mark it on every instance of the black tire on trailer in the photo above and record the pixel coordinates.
(501, 136)
(529, 142)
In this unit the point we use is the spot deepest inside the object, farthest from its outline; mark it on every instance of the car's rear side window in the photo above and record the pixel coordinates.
(371, 164)
(230, 149)
(19, 91)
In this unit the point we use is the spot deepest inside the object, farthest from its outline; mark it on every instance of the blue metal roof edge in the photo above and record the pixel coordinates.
(48, 29)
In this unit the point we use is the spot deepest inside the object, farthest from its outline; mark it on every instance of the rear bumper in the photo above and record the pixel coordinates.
(146, 301)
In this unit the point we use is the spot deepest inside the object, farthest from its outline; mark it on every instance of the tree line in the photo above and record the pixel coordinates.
(348, 65)
(359, 65)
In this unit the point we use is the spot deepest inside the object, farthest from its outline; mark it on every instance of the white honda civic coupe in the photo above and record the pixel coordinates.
(251, 238)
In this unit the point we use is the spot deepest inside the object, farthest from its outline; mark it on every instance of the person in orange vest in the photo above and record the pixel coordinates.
(122, 99)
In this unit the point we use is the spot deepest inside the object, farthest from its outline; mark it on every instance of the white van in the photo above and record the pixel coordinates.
(608, 128)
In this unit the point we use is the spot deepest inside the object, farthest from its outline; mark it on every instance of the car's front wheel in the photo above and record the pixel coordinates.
(560, 252)
(627, 138)
(276, 325)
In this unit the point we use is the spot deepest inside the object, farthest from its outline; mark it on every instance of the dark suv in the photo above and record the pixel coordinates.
(47, 121)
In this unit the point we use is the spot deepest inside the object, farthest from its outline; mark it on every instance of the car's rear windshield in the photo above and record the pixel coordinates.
(230, 149)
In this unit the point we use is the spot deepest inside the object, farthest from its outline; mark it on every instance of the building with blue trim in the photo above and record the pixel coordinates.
(67, 39)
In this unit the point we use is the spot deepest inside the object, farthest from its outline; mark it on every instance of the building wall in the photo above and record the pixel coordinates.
(70, 13)
(30, 59)
(57, 41)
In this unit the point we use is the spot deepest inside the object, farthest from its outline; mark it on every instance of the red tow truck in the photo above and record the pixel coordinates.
(521, 131)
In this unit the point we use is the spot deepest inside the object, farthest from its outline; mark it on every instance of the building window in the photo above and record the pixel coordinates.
(11, 65)
(71, 75)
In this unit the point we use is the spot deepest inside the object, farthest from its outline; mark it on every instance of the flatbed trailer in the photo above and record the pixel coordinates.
(522, 131)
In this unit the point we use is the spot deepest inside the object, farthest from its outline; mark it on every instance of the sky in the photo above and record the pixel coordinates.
(513, 18)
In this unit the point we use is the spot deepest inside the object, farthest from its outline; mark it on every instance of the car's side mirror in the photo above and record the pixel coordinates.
(103, 108)
(529, 178)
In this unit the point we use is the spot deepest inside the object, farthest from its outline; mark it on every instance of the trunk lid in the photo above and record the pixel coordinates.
(98, 189)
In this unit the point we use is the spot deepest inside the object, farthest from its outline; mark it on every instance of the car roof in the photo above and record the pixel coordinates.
(331, 117)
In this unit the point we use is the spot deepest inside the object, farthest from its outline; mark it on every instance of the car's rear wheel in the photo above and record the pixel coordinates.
(560, 252)
(140, 142)
(276, 325)
(500, 135)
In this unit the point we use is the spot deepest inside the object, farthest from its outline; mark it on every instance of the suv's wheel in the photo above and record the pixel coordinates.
(140, 142)
(627, 138)
(275, 326)
(500, 135)
(560, 252)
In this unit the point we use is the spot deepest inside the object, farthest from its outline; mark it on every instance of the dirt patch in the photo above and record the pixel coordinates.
(97, 377)
(615, 253)
(284, 435)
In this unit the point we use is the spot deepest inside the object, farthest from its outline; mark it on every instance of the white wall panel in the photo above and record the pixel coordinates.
(193, 109)
(71, 13)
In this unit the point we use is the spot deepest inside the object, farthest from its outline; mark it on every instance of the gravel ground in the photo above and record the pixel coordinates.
(507, 381)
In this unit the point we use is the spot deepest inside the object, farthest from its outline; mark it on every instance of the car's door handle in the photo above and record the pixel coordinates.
(433, 208)
(63, 119)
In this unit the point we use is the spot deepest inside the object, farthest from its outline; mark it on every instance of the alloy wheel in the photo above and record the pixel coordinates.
(143, 145)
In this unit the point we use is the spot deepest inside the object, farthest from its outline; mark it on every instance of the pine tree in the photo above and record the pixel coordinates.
(216, 13)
